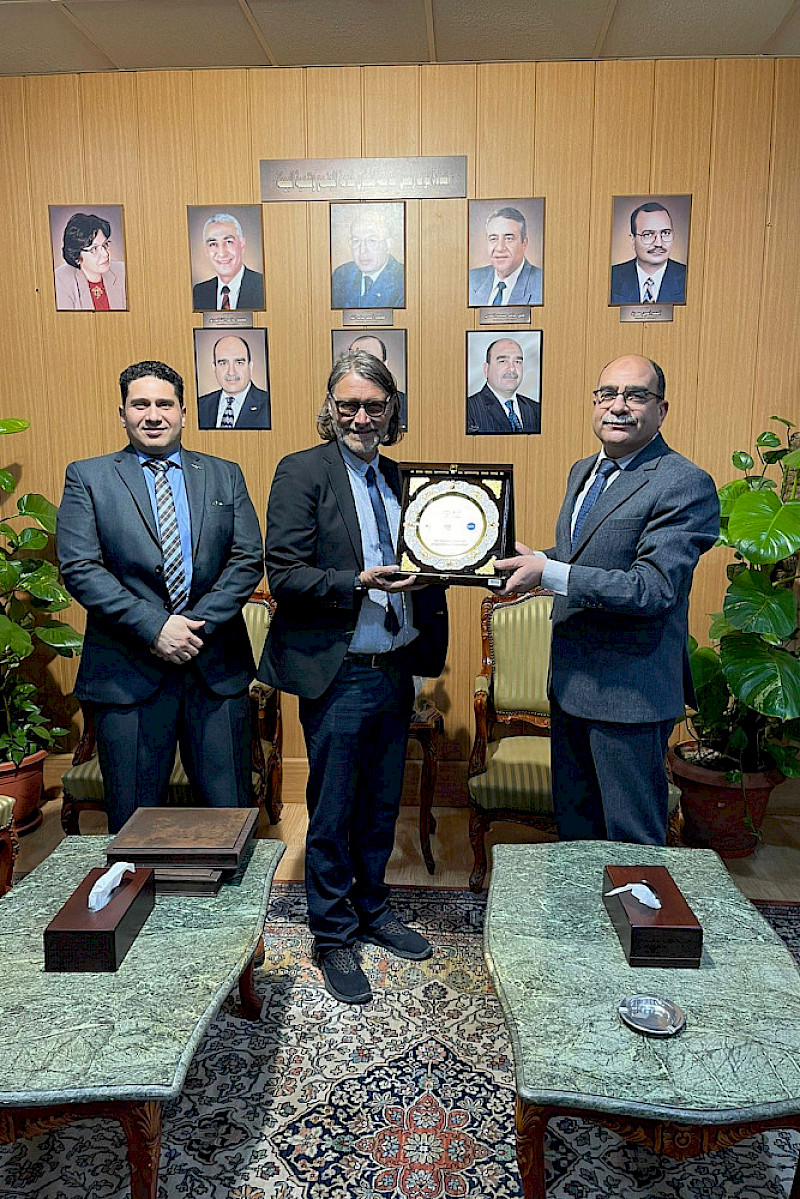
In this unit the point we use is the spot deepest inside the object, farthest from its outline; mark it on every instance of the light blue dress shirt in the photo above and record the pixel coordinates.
(177, 485)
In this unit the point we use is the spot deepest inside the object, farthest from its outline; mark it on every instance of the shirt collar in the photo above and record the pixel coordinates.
(355, 463)
(509, 280)
(234, 284)
(626, 461)
(174, 457)
(656, 274)
(503, 400)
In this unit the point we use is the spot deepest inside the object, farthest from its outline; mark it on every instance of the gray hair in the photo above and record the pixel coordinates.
(223, 218)
(510, 214)
(368, 367)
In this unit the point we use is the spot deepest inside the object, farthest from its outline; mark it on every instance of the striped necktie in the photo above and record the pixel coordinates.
(174, 575)
(649, 284)
(227, 416)
(604, 471)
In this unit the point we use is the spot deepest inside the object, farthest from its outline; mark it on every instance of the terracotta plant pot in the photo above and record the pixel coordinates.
(713, 809)
(24, 785)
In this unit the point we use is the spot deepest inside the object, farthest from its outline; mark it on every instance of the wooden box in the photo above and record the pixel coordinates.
(667, 936)
(172, 839)
(79, 940)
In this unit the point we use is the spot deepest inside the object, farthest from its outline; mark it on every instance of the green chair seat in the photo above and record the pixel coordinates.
(85, 783)
(517, 776)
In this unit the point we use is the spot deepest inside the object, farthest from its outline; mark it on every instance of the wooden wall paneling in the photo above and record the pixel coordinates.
(168, 182)
(681, 150)
(623, 130)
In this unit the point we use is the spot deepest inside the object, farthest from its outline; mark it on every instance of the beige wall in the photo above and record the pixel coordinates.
(576, 133)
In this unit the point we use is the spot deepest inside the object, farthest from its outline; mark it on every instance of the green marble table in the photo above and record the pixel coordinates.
(559, 971)
(78, 1045)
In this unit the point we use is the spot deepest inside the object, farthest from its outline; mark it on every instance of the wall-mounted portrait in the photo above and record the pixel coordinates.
(88, 245)
(226, 248)
(504, 382)
(368, 255)
(506, 252)
(232, 373)
(649, 249)
(389, 345)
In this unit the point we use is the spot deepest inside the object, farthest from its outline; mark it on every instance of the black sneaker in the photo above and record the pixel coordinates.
(399, 939)
(344, 978)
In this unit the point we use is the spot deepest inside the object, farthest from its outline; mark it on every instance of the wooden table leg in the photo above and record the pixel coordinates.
(531, 1123)
(142, 1125)
(248, 996)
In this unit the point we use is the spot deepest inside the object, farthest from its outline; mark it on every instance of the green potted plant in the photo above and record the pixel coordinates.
(747, 724)
(30, 591)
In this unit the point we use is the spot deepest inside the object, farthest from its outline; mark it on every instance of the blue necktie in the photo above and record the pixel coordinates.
(516, 427)
(499, 297)
(392, 620)
(604, 471)
(174, 576)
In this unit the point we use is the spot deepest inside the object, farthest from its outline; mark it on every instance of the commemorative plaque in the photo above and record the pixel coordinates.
(455, 522)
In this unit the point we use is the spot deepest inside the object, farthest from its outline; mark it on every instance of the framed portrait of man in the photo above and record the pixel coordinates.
(368, 255)
(88, 246)
(506, 252)
(226, 251)
(232, 373)
(504, 382)
(388, 345)
(649, 249)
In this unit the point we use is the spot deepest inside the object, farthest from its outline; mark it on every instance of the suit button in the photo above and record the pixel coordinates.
(159, 570)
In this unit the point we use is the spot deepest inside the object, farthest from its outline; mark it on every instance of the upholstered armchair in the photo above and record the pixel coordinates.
(509, 767)
(83, 784)
(8, 842)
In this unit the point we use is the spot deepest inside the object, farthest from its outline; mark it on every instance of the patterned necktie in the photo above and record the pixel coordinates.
(174, 576)
(227, 416)
(498, 299)
(604, 471)
(649, 284)
(516, 427)
(393, 618)
(226, 298)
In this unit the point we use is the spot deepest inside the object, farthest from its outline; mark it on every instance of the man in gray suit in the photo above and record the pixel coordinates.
(510, 279)
(635, 520)
(162, 548)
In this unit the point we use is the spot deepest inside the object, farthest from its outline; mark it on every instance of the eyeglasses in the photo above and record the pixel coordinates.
(104, 245)
(366, 243)
(634, 397)
(375, 409)
(648, 236)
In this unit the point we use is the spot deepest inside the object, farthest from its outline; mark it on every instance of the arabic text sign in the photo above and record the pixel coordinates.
(363, 178)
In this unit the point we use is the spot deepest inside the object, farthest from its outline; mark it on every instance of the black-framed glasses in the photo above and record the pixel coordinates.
(632, 396)
(648, 236)
(374, 409)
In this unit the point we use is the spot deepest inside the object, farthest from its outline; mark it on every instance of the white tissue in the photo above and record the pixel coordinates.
(108, 882)
(639, 891)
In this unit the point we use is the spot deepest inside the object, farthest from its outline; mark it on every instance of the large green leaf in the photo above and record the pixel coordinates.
(60, 637)
(793, 459)
(764, 529)
(9, 574)
(42, 584)
(12, 425)
(754, 605)
(729, 494)
(39, 509)
(33, 539)
(710, 686)
(762, 676)
(769, 439)
(719, 626)
(742, 460)
(13, 638)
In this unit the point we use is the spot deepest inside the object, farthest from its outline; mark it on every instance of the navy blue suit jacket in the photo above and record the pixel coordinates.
(251, 293)
(625, 283)
(388, 290)
(484, 414)
(255, 412)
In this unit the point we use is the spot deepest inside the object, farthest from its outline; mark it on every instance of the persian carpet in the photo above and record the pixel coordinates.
(410, 1097)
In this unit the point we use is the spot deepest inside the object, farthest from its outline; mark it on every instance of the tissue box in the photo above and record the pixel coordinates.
(667, 936)
(79, 940)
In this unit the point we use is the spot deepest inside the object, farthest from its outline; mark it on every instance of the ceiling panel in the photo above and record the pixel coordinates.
(691, 28)
(508, 30)
(38, 39)
(787, 39)
(137, 34)
(343, 32)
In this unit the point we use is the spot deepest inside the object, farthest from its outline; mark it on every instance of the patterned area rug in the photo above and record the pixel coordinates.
(411, 1097)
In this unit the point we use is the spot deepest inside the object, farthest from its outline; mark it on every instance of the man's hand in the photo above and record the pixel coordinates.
(526, 569)
(384, 578)
(178, 640)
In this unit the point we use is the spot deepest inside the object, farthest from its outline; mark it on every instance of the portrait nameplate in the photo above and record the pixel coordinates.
(644, 313)
(367, 316)
(227, 320)
(455, 522)
(504, 316)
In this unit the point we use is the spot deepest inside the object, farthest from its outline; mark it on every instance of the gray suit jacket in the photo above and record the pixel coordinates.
(619, 648)
(527, 289)
(110, 554)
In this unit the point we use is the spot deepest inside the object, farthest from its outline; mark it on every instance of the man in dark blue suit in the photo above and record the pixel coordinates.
(634, 522)
(374, 279)
(161, 546)
(510, 278)
(347, 637)
(498, 407)
(652, 276)
(238, 404)
(234, 285)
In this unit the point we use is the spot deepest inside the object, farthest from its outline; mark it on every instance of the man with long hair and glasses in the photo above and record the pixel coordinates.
(634, 522)
(348, 635)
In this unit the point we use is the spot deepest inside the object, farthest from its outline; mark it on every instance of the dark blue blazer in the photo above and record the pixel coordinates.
(484, 414)
(388, 290)
(527, 289)
(251, 293)
(625, 284)
(255, 412)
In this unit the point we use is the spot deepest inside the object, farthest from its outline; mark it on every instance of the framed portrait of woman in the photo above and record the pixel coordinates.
(88, 245)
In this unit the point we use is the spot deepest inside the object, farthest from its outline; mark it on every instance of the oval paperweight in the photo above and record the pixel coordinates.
(652, 1015)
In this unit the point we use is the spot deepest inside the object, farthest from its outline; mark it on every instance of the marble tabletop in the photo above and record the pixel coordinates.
(72, 1038)
(560, 972)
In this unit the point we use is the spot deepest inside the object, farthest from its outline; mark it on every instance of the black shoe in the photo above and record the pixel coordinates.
(344, 978)
(399, 939)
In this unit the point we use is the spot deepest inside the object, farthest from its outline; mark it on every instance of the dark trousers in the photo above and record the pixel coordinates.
(136, 747)
(609, 781)
(356, 735)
